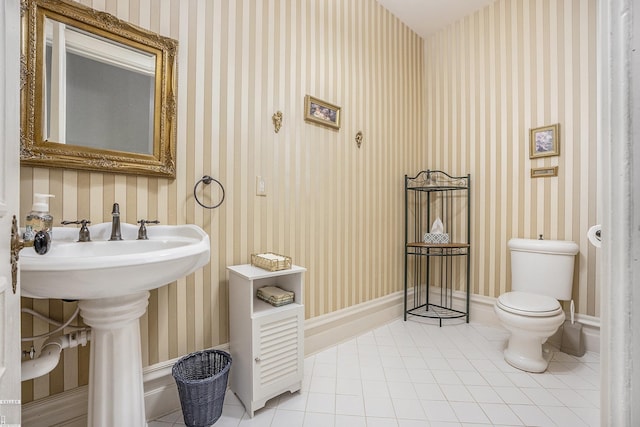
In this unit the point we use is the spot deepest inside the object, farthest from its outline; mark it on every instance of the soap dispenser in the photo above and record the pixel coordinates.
(39, 219)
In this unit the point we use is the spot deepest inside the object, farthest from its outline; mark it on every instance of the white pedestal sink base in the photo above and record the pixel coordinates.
(116, 392)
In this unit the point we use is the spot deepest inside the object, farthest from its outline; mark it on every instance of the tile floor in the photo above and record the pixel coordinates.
(407, 374)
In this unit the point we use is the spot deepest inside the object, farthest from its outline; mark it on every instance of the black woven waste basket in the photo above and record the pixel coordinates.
(202, 382)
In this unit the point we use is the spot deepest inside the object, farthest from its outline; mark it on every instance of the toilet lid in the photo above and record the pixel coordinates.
(528, 304)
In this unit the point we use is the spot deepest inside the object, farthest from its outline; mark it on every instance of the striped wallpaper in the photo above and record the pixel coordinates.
(489, 79)
(336, 209)
(462, 100)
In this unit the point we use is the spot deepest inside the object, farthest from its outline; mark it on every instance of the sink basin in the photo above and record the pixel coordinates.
(103, 268)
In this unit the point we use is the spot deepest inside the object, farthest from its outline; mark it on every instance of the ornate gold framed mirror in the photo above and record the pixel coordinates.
(97, 93)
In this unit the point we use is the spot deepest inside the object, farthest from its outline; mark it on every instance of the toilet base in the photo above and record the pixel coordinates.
(529, 362)
(528, 334)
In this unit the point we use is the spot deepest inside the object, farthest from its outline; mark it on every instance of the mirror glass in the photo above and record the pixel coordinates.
(99, 92)
(104, 88)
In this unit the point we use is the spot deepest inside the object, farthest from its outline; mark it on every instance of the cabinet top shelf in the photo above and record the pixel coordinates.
(251, 272)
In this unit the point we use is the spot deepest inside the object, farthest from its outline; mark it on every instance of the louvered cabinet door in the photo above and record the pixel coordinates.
(266, 342)
(278, 353)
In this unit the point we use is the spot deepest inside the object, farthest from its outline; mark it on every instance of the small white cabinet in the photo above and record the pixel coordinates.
(267, 342)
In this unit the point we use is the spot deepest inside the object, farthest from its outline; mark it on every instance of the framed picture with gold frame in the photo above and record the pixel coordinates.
(544, 141)
(321, 112)
(544, 172)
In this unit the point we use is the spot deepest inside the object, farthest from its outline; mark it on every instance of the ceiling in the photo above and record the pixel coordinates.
(428, 16)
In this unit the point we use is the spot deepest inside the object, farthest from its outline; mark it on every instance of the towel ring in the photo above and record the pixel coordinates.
(207, 180)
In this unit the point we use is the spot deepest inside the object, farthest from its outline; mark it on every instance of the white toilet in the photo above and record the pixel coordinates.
(541, 274)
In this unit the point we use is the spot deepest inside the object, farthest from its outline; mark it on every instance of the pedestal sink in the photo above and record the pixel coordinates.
(111, 280)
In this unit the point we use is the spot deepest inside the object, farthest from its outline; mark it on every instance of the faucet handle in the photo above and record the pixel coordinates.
(83, 235)
(142, 232)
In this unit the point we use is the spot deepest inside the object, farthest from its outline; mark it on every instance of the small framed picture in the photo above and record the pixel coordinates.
(321, 112)
(544, 172)
(544, 141)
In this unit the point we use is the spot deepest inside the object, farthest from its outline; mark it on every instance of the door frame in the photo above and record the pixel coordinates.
(619, 193)
(10, 389)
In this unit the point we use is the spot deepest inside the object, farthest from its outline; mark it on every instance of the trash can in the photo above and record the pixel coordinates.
(201, 378)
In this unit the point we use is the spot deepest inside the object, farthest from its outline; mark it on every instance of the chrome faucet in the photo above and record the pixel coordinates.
(115, 223)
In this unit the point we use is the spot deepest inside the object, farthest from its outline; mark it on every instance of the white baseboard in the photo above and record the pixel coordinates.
(327, 330)
(69, 409)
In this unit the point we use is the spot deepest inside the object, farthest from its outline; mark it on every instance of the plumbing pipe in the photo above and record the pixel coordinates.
(50, 354)
(60, 327)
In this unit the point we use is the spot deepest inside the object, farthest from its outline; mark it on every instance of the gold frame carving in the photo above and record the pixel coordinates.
(34, 151)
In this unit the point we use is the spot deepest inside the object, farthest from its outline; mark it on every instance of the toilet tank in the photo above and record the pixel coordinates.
(543, 266)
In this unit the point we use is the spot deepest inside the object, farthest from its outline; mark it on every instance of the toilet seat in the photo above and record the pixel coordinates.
(528, 304)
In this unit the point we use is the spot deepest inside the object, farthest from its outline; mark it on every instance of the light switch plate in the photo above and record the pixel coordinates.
(261, 186)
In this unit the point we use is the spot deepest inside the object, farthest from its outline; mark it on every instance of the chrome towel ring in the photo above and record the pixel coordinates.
(207, 180)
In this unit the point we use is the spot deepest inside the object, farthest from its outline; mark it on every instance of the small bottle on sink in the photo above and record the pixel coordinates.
(39, 219)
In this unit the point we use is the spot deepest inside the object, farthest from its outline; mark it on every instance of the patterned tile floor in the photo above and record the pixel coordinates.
(407, 374)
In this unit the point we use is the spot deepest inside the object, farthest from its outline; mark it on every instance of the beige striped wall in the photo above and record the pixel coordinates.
(489, 79)
(336, 209)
